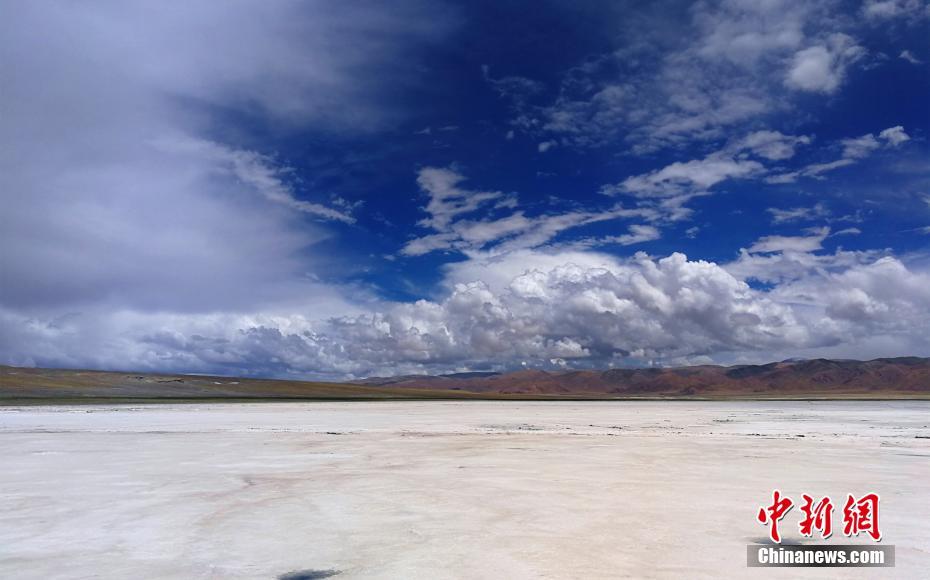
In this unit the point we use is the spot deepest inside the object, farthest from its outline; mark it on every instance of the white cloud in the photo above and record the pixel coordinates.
(822, 68)
(112, 191)
(680, 177)
(809, 243)
(745, 33)
(638, 233)
(854, 150)
(780, 267)
(679, 182)
(847, 232)
(909, 57)
(123, 205)
(817, 211)
(546, 145)
(772, 145)
(516, 88)
(255, 170)
(684, 179)
(895, 135)
(586, 308)
(880, 296)
(156, 245)
(860, 147)
(883, 10)
(499, 270)
(723, 70)
(450, 203)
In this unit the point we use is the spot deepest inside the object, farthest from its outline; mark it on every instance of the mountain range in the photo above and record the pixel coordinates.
(786, 378)
(895, 378)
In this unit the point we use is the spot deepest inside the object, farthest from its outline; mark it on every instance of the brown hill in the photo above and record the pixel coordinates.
(23, 385)
(889, 378)
(907, 376)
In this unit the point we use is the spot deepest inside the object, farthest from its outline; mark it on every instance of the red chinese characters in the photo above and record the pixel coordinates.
(817, 517)
(861, 516)
(773, 513)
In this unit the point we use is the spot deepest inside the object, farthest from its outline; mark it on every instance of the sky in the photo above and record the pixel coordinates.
(336, 190)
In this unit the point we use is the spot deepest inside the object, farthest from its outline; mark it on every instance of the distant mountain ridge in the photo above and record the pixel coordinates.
(790, 377)
(884, 378)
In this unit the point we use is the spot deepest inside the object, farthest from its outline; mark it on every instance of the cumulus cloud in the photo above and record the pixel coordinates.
(633, 308)
(778, 260)
(594, 311)
(880, 296)
(641, 308)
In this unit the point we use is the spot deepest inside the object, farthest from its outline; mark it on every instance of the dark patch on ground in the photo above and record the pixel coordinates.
(309, 574)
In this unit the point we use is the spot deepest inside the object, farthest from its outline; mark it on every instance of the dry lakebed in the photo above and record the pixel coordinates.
(449, 489)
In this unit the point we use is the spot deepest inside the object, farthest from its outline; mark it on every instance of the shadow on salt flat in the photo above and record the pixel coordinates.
(308, 574)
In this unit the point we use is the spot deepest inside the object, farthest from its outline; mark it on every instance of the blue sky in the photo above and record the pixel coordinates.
(316, 190)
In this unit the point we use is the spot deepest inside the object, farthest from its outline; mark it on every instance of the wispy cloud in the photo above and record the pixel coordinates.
(450, 203)
(256, 170)
(683, 177)
(817, 211)
(808, 243)
(119, 191)
(734, 64)
(909, 57)
(854, 150)
(885, 10)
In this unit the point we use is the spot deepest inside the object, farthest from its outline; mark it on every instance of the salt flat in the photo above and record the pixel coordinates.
(445, 489)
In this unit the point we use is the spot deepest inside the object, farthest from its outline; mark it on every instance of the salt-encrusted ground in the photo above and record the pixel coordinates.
(445, 489)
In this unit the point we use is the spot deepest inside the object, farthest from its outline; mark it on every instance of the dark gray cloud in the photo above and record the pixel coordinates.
(111, 191)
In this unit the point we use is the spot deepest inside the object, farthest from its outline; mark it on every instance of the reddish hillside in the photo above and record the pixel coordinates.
(880, 378)
(818, 377)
